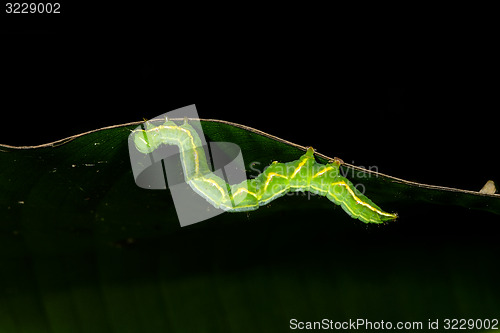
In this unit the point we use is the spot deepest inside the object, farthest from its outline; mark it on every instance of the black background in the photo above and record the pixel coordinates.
(415, 97)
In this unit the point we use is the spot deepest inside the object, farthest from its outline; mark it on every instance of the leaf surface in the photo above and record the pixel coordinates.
(83, 249)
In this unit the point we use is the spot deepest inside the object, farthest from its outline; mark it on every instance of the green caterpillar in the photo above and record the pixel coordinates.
(278, 179)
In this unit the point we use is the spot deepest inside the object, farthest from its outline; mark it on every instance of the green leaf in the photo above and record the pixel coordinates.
(83, 249)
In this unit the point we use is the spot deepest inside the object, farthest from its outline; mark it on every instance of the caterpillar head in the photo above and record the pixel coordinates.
(142, 142)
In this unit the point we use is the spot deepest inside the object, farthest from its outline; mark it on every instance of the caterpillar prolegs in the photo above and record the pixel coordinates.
(304, 174)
